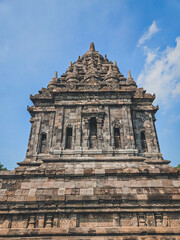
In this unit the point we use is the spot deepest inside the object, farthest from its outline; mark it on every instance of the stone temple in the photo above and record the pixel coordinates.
(93, 168)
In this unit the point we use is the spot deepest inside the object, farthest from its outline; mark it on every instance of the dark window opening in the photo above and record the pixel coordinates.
(93, 133)
(43, 142)
(143, 141)
(117, 140)
(68, 138)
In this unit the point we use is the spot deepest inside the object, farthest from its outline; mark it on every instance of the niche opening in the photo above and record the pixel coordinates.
(143, 141)
(93, 133)
(117, 140)
(43, 139)
(68, 138)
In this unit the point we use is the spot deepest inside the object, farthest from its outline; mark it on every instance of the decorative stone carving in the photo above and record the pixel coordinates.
(159, 219)
(142, 220)
(111, 78)
(49, 221)
(41, 221)
(32, 221)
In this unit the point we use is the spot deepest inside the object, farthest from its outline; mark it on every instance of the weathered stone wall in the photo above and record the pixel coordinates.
(121, 117)
(45, 236)
(93, 168)
(90, 197)
(142, 120)
(54, 124)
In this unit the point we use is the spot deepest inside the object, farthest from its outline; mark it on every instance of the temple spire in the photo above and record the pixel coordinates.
(53, 81)
(75, 69)
(129, 74)
(92, 47)
(110, 68)
(130, 80)
(99, 62)
(55, 75)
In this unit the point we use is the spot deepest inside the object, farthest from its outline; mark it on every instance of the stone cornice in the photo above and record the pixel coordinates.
(92, 231)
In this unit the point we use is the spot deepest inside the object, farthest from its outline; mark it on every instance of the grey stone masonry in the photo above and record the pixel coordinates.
(92, 110)
(93, 168)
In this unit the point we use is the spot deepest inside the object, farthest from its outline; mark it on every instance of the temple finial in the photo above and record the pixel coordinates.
(70, 64)
(84, 61)
(115, 63)
(75, 68)
(130, 80)
(99, 61)
(129, 74)
(110, 68)
(92, 47)
(55, 75)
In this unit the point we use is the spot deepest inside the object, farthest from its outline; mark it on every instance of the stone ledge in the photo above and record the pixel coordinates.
(84, 231)
(95, 159)
(96, 152)
(23, 172)
(56, 206)
(95, 209)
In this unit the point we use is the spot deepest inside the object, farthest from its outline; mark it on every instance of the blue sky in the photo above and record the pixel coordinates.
(40, 37)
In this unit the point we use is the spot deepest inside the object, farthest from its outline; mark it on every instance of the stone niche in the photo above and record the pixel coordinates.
(96, 220)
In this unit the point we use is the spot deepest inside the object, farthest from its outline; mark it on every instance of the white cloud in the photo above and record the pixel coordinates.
(150, 55)
(161, 72)
(147, 35)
